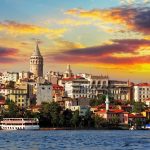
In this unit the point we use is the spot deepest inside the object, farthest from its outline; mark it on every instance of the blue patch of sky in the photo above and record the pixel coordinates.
(32, 10)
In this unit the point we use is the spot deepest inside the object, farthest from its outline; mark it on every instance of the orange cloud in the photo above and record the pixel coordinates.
(133, 18)
(73, 22)
(119, 52)
(15, 28)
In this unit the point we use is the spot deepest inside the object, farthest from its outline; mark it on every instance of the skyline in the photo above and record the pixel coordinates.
(109, 38)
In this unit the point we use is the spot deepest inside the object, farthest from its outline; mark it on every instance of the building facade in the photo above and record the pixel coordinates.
(120, 90)
(10, 76)
(43, 93)
(141, 92)
(19, 96)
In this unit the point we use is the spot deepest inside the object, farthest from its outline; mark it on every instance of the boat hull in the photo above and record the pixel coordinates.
(15, 127)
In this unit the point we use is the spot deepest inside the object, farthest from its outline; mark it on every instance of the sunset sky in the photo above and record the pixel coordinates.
(108, 37)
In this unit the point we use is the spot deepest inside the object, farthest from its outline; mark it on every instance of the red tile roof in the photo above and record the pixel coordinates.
(136, 116)
(72, 78)
(114, 111)
(143, 84)
(147, 99)
(2, 100)
(56, 87)
(104, 106)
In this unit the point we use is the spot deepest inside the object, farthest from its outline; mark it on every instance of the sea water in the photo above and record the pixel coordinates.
(75, 140)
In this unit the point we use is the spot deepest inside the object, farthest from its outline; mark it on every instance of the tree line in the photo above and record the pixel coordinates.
(52, 115)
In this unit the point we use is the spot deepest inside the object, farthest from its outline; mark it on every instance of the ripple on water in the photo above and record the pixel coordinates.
(75, 140)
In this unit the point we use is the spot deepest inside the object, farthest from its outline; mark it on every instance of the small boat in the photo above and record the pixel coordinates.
(132, 128)
(19, 124)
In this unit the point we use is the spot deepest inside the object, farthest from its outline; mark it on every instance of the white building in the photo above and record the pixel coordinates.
(24, 75)
(88, 87)
(43, 93)
(74, 105)
(10, 76)
(141, 92)
(78, 88)
(4, 91)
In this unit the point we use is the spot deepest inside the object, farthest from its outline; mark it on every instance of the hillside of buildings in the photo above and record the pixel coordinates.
(73, 100)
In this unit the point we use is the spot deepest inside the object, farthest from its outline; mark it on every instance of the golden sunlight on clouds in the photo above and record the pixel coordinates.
(11, 27)
(74, 22)
(129, 18)
(103, 15)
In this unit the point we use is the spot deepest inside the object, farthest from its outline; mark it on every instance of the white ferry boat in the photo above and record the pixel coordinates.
(19, 124)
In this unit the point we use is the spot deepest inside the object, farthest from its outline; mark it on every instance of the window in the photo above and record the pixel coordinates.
(93, 82)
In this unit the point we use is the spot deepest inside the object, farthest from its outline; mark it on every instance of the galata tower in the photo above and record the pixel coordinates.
(36, 62)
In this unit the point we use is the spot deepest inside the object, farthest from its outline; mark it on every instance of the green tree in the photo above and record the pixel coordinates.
(100, 121)
(75, 119)
(13, 110)
(139, 107)
(67, 114)
(45, 116)
(88, 120)
(114, 121)
(55, 110)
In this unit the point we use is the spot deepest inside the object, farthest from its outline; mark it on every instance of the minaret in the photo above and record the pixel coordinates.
(107, 103)
(36, 62)
(68, 73)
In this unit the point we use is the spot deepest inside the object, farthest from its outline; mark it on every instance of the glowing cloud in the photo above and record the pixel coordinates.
(12, 27)
(106, 54)
(133, 18)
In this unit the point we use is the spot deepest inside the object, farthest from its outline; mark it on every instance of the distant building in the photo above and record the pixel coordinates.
(24, 75)
(43, 93)
(10, 76)
(120, 90)
(110, 114)
(19, 96)
(68, 73)
(57, 92)
(78, 88)
(4, 91)
(74, 105)
(53, 77)
(114, 113)
(141, 92)
(36, 62)
(89, 87)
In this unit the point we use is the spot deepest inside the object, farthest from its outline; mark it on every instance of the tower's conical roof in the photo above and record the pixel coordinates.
(36, 51)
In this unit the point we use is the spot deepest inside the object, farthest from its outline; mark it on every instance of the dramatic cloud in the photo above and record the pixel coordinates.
(16, 28)
(7, 55)
(133, 18)
(119, 52)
